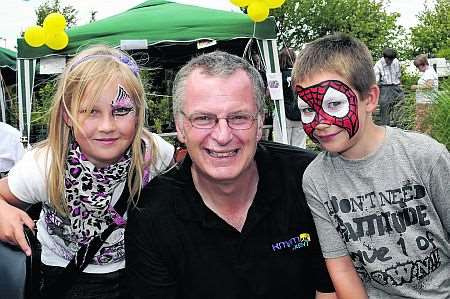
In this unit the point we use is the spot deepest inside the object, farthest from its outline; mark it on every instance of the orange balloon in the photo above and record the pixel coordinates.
(258, 11)
(35, 36)
(58, 40)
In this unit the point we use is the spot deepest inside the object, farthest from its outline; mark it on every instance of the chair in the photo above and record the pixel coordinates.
(19, 274)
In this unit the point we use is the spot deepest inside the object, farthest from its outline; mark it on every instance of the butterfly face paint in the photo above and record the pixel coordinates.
(123, 104)
(329, 102)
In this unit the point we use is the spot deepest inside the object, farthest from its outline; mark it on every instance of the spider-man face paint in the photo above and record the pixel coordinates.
(329, 102)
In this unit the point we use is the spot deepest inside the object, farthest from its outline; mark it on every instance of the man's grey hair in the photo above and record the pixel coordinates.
(217, 64)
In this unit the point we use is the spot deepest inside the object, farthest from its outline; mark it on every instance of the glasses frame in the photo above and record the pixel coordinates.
(253, 116)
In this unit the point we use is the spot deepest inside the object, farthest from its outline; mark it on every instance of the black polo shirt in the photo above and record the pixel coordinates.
(176, 247)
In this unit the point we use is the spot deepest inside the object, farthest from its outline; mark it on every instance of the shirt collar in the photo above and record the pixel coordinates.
(191, 206)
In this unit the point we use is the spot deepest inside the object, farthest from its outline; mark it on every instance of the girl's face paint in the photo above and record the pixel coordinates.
(329, 102)
(123, 104)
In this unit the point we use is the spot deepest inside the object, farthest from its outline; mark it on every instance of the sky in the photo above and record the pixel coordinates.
(17, 15)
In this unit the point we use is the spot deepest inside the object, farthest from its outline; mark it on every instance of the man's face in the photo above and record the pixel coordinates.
(388, 60)
(219, 153)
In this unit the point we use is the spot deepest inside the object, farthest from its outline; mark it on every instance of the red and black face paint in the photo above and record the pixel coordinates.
(329, 102)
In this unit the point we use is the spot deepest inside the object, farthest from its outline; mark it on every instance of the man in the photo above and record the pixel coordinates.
(11, 149)
(387, 74)
(231, 220)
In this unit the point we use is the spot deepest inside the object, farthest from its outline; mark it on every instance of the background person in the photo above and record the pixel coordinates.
(388, 76)
(426, 89)
(230, 221)
(295, 134)
(379, 195)
(11, 148)
(96, 147)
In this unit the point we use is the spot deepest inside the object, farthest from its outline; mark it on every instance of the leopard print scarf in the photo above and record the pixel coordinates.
(89, 192)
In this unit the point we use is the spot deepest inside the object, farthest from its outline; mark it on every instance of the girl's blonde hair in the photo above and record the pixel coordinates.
(92, 69)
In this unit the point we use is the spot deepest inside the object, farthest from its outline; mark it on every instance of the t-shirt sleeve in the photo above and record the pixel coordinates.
(440, 187)
(26, 179)
(330, 241)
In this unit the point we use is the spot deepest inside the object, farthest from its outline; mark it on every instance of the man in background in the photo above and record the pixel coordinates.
(388, 74)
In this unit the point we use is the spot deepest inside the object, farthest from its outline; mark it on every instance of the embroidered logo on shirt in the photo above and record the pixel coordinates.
(294, 243)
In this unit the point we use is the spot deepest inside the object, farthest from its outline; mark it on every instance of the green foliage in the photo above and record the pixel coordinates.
(444, 53)
(41, 106)
(408, 79)
(301, 21)
(159, 107)
(49, 6)
(403, 113)
(438, 118)
(159, 116)
(433, 29)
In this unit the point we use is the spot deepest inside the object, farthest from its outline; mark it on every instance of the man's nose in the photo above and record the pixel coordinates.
(221, 132)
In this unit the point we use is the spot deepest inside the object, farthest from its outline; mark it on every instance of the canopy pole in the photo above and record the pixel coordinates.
(270, 56)
(25, 82)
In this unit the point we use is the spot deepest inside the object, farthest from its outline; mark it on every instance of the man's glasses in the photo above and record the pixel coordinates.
(237, 121)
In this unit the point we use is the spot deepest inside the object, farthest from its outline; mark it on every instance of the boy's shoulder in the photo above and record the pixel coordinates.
(415, 142)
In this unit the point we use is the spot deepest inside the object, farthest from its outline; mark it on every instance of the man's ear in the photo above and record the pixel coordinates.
(260, 124)
(180, 130)
(371, 98)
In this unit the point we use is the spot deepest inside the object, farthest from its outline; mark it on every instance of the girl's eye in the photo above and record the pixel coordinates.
(122, 111)
(93, 112)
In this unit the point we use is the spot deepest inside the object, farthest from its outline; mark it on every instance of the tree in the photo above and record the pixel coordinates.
(432, 32)
(301, 21)
(49, 6)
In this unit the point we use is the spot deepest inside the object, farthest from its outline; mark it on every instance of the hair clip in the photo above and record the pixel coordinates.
(131, 64)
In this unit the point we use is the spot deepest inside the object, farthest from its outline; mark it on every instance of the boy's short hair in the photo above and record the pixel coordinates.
(389, 53)
(338, 53)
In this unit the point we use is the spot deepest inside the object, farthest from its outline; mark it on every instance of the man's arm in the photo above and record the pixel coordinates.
(345, 279)
(147, 273)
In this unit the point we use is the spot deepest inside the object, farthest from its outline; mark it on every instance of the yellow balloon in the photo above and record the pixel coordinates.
(35, 36)
(241, 3)
(258, 11)
(54, 22)
(274, 3)
(57, 40)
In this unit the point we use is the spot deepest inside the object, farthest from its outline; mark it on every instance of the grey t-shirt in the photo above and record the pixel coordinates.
(390, 212)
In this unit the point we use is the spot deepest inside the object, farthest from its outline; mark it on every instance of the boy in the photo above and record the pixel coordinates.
(380, 196)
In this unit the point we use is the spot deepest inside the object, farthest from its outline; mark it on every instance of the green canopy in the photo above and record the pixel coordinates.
(168, 28)
(7, 59)
(159, 21)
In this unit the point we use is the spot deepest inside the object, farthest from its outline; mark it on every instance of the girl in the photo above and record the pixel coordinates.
(96, 147)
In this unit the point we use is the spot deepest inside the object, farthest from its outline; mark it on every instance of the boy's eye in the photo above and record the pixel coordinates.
(307, 110)
(335, 103)
(122, 111)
